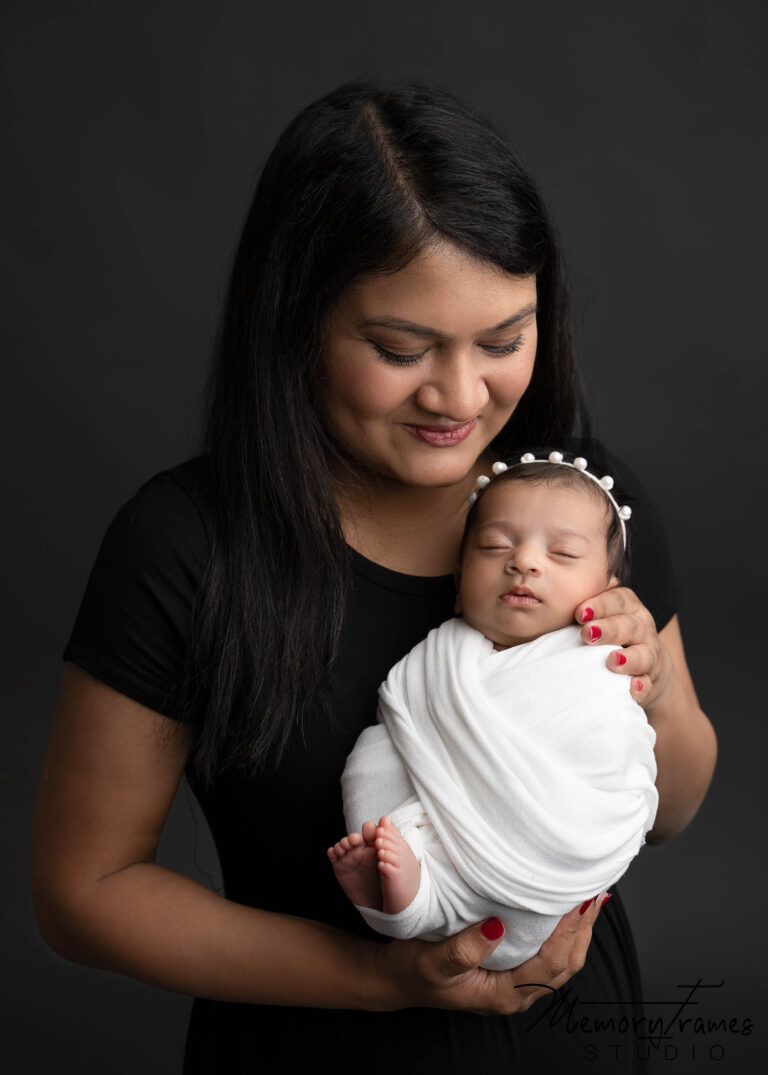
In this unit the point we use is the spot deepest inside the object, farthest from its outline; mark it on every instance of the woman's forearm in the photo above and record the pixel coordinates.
(157, 926)
(686, 745)
(154, 925)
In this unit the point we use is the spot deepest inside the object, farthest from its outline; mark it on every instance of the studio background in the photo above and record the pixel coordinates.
(133, 134)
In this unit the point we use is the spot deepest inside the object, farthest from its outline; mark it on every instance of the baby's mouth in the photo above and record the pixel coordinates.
(520, 595)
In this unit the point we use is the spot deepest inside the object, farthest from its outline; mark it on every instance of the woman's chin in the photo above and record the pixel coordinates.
(443, 468)
(439, 477)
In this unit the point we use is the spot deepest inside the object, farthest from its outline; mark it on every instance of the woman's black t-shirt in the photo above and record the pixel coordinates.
(271, 832)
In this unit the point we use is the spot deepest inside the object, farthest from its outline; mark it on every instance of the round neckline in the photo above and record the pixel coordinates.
(397, 580)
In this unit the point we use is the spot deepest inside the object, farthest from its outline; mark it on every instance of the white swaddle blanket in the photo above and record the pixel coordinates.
(523, 779)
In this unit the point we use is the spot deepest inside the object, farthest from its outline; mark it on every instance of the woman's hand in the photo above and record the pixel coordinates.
(447, 974)
(617, 617)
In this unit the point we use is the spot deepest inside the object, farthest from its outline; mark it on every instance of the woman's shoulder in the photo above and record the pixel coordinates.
(132, 629)
(156, 548)
(181, 492)
(170, 513)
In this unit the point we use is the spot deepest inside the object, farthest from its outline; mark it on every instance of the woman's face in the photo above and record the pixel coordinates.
(424, 366)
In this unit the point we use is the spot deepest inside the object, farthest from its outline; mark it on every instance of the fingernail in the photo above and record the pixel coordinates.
(620, 658)
(605, 899)
(639, 685)
(586, 904)
(492, 929)
(595, 633)
(587, 615)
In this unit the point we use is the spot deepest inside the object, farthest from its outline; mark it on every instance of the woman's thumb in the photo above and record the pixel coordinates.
(468, 949)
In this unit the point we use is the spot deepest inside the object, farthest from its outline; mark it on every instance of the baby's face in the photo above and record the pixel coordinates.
(534, 553)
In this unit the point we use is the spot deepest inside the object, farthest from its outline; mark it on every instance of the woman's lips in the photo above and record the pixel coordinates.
(442, 436)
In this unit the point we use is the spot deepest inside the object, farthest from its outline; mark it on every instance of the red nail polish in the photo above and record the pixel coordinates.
(595, 633)
(606, 898)
(639, 686)
(492, 929)
(584, 906)
(620, 658)
(587, 615)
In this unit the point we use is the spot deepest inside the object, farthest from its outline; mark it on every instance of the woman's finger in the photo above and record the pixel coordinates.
(612, 602)
(464, 951)
(638, 660)
(622, 629)
(564, 950)
(618, 601)
(641, 689)
(645, 667)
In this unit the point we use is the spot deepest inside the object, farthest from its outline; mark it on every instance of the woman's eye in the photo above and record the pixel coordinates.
(504, 349)
(394, 358)
(408, 360)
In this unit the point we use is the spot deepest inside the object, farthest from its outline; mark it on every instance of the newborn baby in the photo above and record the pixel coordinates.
(512, 772)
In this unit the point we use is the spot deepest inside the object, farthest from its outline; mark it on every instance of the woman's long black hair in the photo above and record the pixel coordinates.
(359, 182)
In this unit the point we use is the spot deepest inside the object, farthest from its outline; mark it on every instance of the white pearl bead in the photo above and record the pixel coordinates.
(529, 457)
(555, 457)
(606, 481)
(580, 462)
(482, 481)
(499, 468)
(625, 512)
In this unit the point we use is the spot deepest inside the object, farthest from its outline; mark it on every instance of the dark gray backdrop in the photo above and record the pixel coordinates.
(132, 136)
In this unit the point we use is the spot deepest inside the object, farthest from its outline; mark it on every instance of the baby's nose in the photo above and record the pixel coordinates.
(525, 561)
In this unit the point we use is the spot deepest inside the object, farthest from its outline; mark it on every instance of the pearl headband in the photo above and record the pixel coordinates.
(605, 483)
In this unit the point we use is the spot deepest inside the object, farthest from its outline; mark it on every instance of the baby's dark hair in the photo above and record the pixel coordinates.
(545, 473)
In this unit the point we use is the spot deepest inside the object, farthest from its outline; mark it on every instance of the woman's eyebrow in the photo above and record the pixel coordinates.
(400, 325)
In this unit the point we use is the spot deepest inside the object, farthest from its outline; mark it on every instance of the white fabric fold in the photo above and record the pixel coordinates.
(523, 779)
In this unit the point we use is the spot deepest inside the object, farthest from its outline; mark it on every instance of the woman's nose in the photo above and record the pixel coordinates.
(455, 389)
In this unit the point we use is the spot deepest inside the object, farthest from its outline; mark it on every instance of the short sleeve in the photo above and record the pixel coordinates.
(133, 628)
(651, 573)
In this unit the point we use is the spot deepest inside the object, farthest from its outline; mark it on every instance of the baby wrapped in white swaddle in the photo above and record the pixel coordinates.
(516, 766)
(522, 779)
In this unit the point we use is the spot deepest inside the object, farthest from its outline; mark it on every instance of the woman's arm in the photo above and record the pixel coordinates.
(110, 774)
(686, 745)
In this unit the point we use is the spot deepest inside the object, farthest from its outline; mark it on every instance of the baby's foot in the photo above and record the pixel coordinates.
(354, 860)
(398, 866)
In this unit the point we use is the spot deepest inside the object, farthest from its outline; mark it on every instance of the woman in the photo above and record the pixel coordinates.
(396, 320)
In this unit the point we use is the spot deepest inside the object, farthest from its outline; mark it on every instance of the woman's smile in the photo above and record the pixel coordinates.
(442, 436)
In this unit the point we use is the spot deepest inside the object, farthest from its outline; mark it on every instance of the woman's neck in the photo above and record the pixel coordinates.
(412, 529)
